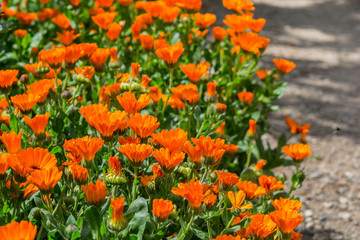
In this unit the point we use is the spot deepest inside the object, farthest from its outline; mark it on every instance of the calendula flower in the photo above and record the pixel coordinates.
(24, 102)
(211, 149)
(169, 14)
(124, 3)
(297, 128)
(38, 123)
(220, 107)
(270, 183)
(191, 5)
(204, 20)
(95, 193)
(62, 21)
(20, 33)
(237, 200)
(147, 41)
(210, 200)
(246, 97)
(29, 190)
(261, 226)
(230, 148)
(154, 8)
(219, 33)
(34, 159)
(113, 90)
(287, 220)
(286, 204)
(24, 230)
(260, 164)
(12, 141)
(136, 153)
(167, 159)
(20, 171)
(7, 79)
(87, 49)
(227, 180)
(45, 179)
(114, 166)
(79, 174)
(170, 54)
(143, 125)
(135, 30)
(91, 109)
(245, 232)
(194, 152)
(26, 18)
(103, 3)
(187, 93)
(104, 20)
(251, 190)
(99, 57)
(108, 123)
(298, 152)
(162, 208)
(86, 147)
(252, 127)
(4, 165)
(194, 73)
(129, 139)
(75, 3)
(132, 105)
(283, 65)
(67, 37)
(296, 236)
(85, 72)
(117, 221)
(54, 57)
(250, 42)
(114, 31)
(171, 139)
(193, 192)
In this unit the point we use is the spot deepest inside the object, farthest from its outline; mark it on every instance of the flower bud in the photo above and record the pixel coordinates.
(70, 229)
(115, 64)
(66, 94)
(24, 79)
(115, 179)
(80, 78)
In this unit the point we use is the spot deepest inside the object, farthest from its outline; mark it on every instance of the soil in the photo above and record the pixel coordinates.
(322, 38)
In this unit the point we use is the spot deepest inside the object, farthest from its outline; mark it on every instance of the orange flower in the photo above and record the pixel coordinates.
(124, 3)
(117, 221)
(87, 49)
(130, 104)
(297, 128)
(34, 159)
(24, 102)
(169, 14)
(194, 73)
(219, 33)
(194, 152)
(159, 43)
(86, 71)
(296, 236)
(75, 3)
(80, 174)
(95, 193)
(72, 54)
(211, 89)
(283, 65)
(167, 159)
(287, 220)
(230, 148)
(220, 107)
(251, 190)
(12, 141)
(192, 5)
(26, 18)
(250, 42)
(20, 171)
(45, 179)
(246, 97)
(260, 164)
(204, 20)
(107, 123)
(170, 54)
(156, 169)
(262, 74)
(103, 20)
(54, 57)
(211, 149)
(227, 180)
(129, 139)
(261, 226)
(210, 200)
(245, 232)
(86, 147)
(7, 79)
(91, 109)
(136, 153)
(135, 30)
(113, 90)
(103, 3)
(192, 191)
(38, 123)
(143, 125)
(228, 237)
(147, 41)
(114, 165)
(238, 200)
(62, 21)
(154, 8)
(20, 33)
(187, 93)
(298, 152)
(172, 139)
(162, 208)
(286, 204)
(147, 181)
(67, 37)
(252, 127)
(23, 230)
(98, 58)
(4, 165)
(270, 184)
(114, 31)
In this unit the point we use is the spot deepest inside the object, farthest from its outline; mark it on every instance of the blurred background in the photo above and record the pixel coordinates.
(323, 38)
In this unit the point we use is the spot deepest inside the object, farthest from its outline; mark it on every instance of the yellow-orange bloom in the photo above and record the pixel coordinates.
(297, 128)
(251, 190)
(191, 5)
(34, 159)
(227, 180)
(18, 231)
(25, 18)
(170, 54)
(108, 123)
(228, 237)
(296, 236)
(12, 141)
(194, 73)
(117, 221)
(147, 41)
(79, 174)
(237, 200)
(171, 139)
(187, 93)
(24, 102)
(85, 147)
(114, 31)
(99, 57)
(261, 226)
(67, 37)
(20, 171)
(143, 125)
(132, 105)
(91, 109)
(162, 208)
(246, 97)
(192, 191)
(260, 164)
(45, 179)
(104, 20)
(194, 152)
(287, 220)
(211, 149)
(103, 3)
(7, 79)
(252, 127)
(270, 183)
(283, 65)
(298, 152)
(286, 204)
(38, 123)
(219, 33)
(4, 165)
(124, 3)
(95, 193)
(136, 153)
(167, 159)
(54, 57)
(20, 33)
(169, 14)
(204, 20)
(62, 21)
(87, 49)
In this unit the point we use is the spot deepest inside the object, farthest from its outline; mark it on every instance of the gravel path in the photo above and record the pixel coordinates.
(323, 38)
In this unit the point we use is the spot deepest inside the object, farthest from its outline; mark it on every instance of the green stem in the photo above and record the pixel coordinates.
(189, 123)
(209, 226)
(205, 174)
(263, 205)
(134, 185)
(249, 155)
(170, 86)
(203, 122)
(40, 232)
(228, 225)
(8, 102)
(187, 228)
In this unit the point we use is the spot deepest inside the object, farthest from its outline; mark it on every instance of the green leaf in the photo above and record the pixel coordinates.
(138, 222)
(75, 235)
(93, 217)
(6, 26)
(241, 225)
(199, 233)
(4, 128)
(26, 41)
(56, 149)
(85, 231)
(13, 124)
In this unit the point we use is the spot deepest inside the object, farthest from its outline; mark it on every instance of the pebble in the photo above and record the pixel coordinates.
(328, 204)
(308, 213)
(345, 216)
